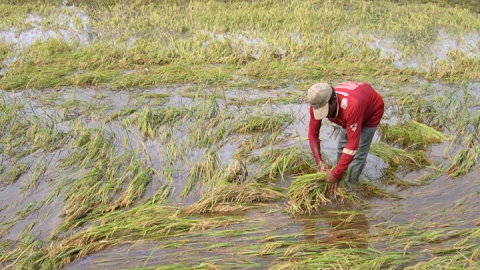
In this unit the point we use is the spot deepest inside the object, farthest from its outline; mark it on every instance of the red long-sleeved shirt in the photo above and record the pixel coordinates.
(359, 105)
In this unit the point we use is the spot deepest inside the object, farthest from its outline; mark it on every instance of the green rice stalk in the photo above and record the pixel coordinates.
(466, 158)
(369, 190)
(399, 157)
(164, 191)
(419, 108)
(290, 99)
(278, 162)
(91, 146)
(207, 133)
(22, 134)
(155, 99)
(255, 141)
(149, 121)
(307, 193)
(93, 191)
(5, 51)
(210, 109)
(83, 195)
(266, 123)
(14, 173)
(7, 225)
(268, 248)
(29, 208)
(205, 170)
(335, 256)
(413, 135)
(136, 188)
(210, 124)
(37, 172)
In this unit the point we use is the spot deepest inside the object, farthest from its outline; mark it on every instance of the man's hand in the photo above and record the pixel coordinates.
(322, 167)
(332, 183)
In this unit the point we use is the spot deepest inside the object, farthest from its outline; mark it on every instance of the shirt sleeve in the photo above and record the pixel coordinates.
(313, 136)
(353, 127)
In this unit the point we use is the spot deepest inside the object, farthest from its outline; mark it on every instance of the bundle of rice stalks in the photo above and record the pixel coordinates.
(412, 134)
(307, 193)
(233, 197)
(396, 157)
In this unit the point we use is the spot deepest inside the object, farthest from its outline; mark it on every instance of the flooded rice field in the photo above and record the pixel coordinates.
(75, 158)
(125, 144)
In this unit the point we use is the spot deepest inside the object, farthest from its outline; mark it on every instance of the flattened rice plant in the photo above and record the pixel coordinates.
(277, 162)
(203, 171)
(413, 135)
(466, 158)
(267, 123)
(233, 197)
(148, 221)
(149, 121)
(399, 157)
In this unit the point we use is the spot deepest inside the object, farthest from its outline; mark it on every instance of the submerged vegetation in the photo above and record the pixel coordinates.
(178, 127)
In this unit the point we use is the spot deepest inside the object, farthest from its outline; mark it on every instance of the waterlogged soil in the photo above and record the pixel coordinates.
(444, 202)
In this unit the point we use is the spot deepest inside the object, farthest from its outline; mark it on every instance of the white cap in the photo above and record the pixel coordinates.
(318, 96)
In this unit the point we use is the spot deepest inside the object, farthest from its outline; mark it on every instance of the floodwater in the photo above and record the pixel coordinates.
(443, 202)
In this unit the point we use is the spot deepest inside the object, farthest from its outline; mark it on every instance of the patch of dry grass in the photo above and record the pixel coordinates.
(233, 197)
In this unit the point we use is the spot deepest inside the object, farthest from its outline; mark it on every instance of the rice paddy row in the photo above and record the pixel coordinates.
(262, 45)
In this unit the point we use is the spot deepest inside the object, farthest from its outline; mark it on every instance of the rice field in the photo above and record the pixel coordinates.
(173, 135)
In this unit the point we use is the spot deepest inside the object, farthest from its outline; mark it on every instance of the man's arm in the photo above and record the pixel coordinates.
(314, 141)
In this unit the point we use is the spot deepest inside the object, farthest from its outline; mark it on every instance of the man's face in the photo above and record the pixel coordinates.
(332, 108)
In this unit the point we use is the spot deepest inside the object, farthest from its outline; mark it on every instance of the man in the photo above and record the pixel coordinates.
(358, 109)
